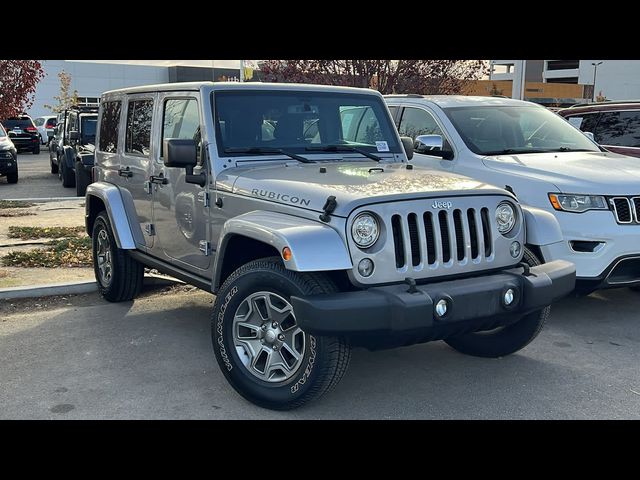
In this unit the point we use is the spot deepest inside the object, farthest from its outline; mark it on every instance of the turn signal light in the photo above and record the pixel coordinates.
(286, 253)
(554, 201)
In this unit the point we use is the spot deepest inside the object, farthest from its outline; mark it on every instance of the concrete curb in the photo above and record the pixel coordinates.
(72, 288)
(41, 200)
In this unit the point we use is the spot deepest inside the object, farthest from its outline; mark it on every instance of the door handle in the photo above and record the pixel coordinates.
(125, 172)
(160, 179)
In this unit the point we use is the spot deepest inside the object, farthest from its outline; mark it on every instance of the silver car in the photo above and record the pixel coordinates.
(296, 207)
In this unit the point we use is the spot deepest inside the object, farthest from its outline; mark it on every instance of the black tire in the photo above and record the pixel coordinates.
(36, 149)
(68, 176)
(506, 340)
(82, 180)
(12, 177)
(127, 274)
(54, 167)
(324, 361)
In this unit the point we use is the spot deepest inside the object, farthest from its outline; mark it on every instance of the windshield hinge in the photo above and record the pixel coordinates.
(329, 206)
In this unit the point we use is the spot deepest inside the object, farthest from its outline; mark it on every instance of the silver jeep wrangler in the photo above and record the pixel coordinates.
(296, 205)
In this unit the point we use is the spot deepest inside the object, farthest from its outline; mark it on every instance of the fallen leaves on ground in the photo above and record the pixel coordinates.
(33, 233)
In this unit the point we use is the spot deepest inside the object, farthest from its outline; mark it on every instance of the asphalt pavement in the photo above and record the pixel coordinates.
(35, 179)
(83, 358)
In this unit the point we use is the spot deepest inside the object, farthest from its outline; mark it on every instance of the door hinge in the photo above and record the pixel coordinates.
(204, 198)
(205, 247)
(147, 187)
(150, 229)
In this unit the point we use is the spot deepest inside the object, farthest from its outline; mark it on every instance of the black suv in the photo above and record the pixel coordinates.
(8, 158)
(23, 133)
(73, 146)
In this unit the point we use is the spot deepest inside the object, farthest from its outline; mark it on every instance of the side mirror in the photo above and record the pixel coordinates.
(590, 136)
(407, 144)
(428, 144)
(432, 145)
(182, 153)
(74, 135)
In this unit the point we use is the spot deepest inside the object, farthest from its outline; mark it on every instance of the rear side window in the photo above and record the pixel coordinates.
(38, 121)
(138, 138)
(109, 126)
(416, 121)
(181, 120)
(51, 123)
(619, 129)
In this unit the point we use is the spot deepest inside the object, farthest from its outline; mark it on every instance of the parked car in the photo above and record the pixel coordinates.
(23, 133)
(55, 147)
(311, 244)
(552, 168)
(72, 146)
(8, 158)
(78, 146)
(614, 125)
(45, 126)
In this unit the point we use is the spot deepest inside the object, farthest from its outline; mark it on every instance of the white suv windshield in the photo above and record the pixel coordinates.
(504, 130)
(301, 122)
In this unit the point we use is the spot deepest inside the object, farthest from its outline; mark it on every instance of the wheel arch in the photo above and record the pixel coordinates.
(542, 227)
(314, 247)
(118, 204)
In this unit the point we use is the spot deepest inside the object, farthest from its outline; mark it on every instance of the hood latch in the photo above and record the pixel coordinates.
(329, 206)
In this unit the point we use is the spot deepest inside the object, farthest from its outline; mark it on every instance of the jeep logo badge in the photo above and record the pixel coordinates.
(437, 204)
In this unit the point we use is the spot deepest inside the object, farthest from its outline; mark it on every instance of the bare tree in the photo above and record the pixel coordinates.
(18, 80)
(386, 76)
(65, 99)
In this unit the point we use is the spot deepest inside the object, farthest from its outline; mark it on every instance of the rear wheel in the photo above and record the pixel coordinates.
(82, 180)
(67, 175)
(506, 340)
(260, 348)
(54, 167)
(119, 276)
(12, 177)
(36, 149)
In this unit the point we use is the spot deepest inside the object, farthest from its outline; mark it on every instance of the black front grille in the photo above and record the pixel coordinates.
(442, 237)
(622, 209)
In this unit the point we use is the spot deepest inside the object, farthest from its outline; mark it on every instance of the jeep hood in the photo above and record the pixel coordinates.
(352, 183)
(575, 172)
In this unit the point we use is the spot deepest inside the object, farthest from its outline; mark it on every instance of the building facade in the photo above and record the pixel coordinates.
(91, 78)
(611, 79)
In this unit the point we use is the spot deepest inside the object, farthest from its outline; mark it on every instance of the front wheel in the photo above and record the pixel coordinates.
(260, 348)
(119, 276)
(506, 340)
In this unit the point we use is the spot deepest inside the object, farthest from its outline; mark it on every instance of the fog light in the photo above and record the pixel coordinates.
(441, 307)
(509, 297)
(9, 164)
(365, 267)
(515, 249)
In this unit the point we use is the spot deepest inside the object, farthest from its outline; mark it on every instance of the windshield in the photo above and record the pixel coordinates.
(296, 121)
(89, 129)
(528, 129)
(2, 132)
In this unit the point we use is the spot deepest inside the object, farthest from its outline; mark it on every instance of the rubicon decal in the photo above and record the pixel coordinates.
(282, 197)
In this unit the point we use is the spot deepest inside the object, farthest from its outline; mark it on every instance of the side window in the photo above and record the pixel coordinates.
(38, 121)
(138, 133)
(109, 127)
(416, 121)
(619, 128)
(394, 113)
(72, 122)
(181, 120)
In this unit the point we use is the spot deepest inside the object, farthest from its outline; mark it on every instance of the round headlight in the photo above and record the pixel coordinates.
(505, 217)
(365, 230)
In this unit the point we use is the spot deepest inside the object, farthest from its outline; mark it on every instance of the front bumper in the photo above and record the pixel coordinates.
(474, 303)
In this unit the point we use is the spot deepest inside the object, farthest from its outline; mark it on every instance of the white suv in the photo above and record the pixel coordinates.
(548, 164)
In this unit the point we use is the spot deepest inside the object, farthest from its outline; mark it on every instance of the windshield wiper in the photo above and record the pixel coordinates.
(266, 151)
(569, 149)
(507, 151)
(345, 148)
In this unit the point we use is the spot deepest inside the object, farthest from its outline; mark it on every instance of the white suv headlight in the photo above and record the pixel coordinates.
(505, 217)
(365, 229)
(577, 203)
